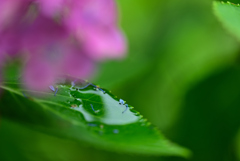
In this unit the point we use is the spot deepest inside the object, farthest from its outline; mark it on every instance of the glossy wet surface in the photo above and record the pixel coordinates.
(86, 113)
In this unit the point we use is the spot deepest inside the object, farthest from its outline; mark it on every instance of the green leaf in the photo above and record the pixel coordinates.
(88, 116)
(238, 144)
(229, 14)
(173, 45)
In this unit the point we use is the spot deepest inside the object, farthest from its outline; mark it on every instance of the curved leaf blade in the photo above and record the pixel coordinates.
(89, 116)
(229, 15)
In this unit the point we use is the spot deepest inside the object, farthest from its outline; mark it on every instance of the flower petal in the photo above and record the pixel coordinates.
(38, 74)
(104, 44)
(93, 22)
(51, 7)
(77, 65)
(9, 10)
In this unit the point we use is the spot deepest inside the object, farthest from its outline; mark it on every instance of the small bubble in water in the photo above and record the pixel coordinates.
(91, 124)
(73, 83)
(121, 102)
(73, 106)
(115, 131)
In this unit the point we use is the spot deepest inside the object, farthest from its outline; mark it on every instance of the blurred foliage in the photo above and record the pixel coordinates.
(182, 72)
(174, 48)
(40, 146)
(238, 144)
(186, 43)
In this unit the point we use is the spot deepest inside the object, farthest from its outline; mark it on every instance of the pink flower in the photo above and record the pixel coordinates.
(59, 36)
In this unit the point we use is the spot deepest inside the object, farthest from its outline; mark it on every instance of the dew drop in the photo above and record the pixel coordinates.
(115, 131)
(91, 124)
(74, 105)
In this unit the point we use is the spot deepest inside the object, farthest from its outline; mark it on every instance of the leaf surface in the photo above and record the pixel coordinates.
(89, 116)
(229, 14)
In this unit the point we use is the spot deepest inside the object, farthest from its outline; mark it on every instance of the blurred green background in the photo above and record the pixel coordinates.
(182, 72)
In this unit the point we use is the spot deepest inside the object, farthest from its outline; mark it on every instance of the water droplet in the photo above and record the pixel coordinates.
(97, 111)
(115, 131)
(73, 106)
(91, 124)
(73, 83)
(105, 110)
(121, 102)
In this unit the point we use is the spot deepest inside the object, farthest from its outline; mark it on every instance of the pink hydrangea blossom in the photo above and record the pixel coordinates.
(59, 36)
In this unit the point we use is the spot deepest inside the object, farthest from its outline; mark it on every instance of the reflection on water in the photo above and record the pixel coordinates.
(103, 113)
(112, 110)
